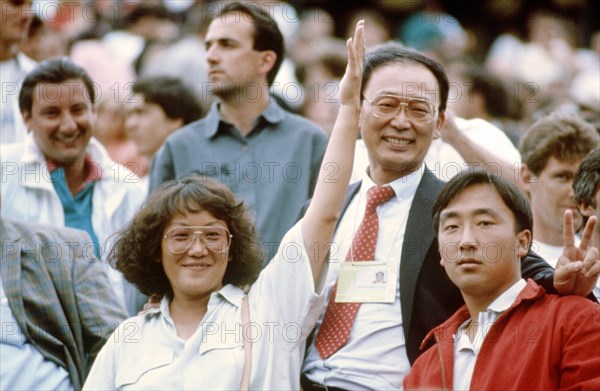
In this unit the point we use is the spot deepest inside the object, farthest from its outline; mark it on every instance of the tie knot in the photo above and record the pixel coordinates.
(378, 195)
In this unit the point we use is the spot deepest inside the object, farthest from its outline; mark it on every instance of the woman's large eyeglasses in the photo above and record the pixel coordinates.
(388, 106)
(216, 239)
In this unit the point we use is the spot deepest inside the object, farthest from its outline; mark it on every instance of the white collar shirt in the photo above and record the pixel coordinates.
(465, 351)
(375, 356)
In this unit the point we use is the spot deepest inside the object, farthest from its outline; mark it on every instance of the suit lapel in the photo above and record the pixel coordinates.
(418, 238)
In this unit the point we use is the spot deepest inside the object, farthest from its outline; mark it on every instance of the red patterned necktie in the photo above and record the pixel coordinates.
(338, 318)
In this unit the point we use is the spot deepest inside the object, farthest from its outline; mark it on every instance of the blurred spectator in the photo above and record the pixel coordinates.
(184, 58)
(77, 19)
(320, 78)
(15, 16)
(586, 188)
(477, 93)
(552, 150)
(155, 25)
(43, 42)
(110, 131)
(540, 68)
(314, 37)
(435, 33)
(158, 107)
(377, 29)
(471, 143)
(315, 24)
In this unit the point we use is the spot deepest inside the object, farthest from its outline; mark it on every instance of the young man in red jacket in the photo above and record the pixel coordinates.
(510, 335)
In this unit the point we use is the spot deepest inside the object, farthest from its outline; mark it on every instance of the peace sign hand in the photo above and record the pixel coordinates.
(578, 268)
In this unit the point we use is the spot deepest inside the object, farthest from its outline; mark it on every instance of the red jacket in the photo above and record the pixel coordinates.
(542, 342)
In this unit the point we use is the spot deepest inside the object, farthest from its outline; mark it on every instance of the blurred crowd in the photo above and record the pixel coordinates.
(508, 62)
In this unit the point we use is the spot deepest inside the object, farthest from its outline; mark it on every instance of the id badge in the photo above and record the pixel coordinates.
(365, 282)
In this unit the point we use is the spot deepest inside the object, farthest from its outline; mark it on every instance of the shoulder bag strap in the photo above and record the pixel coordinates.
(244, 386)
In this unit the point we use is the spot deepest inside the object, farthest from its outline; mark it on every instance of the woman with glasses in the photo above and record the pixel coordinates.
(221, 324)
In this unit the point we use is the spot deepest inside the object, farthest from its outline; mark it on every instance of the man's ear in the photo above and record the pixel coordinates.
(437, 132)
(527, 176)
(585, 209)
(267, 60)
(523, 242)
(442, 263)
(26, 118)
(174, 124)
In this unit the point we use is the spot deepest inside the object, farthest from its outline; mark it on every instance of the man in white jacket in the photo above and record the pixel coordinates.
(59, 174)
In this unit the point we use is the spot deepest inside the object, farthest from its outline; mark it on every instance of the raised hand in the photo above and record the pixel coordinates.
(350, 83)
(323, 212)
(578, 267)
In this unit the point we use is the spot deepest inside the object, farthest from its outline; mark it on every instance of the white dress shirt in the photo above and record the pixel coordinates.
(465, 351)
(375, 356)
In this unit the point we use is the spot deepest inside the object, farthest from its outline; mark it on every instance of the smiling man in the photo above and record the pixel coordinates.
(60, 174)
(547, 342)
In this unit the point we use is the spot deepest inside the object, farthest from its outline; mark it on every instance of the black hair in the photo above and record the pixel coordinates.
(267, 35)
(53, 71)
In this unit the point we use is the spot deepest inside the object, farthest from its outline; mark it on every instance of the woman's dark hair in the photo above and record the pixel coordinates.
(137, 251)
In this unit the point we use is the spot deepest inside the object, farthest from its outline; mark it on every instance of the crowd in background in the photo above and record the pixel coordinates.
(509, 62)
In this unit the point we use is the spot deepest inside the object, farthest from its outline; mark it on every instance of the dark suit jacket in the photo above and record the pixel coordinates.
(59, 293)
(427, 296)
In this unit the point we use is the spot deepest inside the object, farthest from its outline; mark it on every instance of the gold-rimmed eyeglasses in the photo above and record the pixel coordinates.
(388, 106)
(216, 239)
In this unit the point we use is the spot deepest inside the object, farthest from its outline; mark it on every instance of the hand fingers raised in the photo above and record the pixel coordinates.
(359, 40)
(356, 46)
(568, 231)
(591, 263)
(566, 272)
(588, 231)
